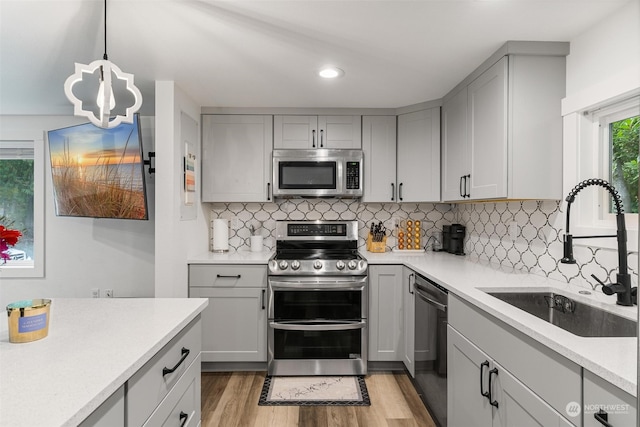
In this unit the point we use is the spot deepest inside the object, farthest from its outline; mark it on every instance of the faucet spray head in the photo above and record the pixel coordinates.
(568, 250)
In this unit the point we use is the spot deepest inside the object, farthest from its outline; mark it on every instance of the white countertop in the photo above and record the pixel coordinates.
(232, 257)
(614, 359)
(93, 347)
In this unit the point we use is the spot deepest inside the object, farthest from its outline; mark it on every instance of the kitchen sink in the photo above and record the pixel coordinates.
(578, 318)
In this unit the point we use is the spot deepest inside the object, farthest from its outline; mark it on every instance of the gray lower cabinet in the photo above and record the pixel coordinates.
(609, 402)
(528, 383)
(234, 324)
(110, 413)
(385, 313)
(408, 279)
(163, 392)
(482, 393)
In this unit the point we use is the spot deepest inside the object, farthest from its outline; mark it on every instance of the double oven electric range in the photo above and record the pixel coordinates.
(317, 300)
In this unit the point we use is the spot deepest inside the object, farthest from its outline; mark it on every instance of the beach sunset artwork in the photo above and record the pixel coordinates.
(98, 172)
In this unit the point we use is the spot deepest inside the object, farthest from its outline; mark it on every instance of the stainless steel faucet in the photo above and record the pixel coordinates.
(622, 288)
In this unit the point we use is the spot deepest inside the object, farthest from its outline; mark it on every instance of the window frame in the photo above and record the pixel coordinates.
(590, 213)
(36, 267)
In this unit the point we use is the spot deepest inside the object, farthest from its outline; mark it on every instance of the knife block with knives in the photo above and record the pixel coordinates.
(377, 238)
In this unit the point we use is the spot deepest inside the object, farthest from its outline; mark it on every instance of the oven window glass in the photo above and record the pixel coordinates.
(307, 175)
(311, 305)
(317, 344)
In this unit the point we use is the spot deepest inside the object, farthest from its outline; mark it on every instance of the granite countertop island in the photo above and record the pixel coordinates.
(93, 347)
(613, 359)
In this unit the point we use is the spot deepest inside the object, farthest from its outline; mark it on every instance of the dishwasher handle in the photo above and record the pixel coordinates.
(429, 300)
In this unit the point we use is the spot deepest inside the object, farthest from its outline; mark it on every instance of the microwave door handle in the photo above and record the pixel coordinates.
(312, 325)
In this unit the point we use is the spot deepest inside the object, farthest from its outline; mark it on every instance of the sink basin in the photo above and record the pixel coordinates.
(578, 318)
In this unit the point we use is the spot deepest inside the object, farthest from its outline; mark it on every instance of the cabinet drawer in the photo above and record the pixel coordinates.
(148, 387)
(557, 380)
(182, 403)
(619, 405)
(228, 276)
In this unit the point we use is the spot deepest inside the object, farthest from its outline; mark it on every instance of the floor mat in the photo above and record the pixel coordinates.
(315, 390)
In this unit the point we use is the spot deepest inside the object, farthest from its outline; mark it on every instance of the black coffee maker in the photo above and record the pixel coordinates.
(453, 238)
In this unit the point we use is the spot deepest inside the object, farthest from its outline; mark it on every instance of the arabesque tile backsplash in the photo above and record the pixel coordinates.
(537, 247)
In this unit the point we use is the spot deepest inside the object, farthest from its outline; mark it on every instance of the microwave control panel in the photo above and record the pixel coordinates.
(353, 175)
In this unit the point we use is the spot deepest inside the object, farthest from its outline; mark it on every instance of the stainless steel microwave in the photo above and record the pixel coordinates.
(317, 173)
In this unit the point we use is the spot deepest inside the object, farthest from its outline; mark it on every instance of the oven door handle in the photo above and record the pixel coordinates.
(312, 325)
(318, 284)
(425, 298)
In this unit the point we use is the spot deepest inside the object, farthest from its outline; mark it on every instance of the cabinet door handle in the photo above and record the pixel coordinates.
(263, 302)
(602, 417)
(313, 138)
(400, 191)
(321, 138)
(482, 392)
(410, 287)
(222, 276)
(393, 191)
(492, 402)
(460, 187)
(185, 352)
(268, 191)
(467, 186)
(183, 418)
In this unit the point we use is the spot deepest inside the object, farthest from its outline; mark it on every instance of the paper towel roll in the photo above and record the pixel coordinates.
(220, 235)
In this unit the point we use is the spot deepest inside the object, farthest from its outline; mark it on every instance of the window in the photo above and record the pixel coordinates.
(20, 206)
(620, 140)
(606, 147)
(618, 126)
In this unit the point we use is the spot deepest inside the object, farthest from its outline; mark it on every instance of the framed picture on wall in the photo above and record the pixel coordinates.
(189, 175)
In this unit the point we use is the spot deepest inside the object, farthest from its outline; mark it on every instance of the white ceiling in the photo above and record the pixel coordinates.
(266, 53)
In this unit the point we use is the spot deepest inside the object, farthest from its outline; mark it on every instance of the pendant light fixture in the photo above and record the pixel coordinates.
(105, 98)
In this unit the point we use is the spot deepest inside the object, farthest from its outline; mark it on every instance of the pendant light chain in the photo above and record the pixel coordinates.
(105, 32)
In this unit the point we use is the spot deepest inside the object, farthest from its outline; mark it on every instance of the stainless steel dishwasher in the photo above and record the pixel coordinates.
(430, 354)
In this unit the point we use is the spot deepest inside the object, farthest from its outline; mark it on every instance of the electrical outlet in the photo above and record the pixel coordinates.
(95, 293)
(108, 293)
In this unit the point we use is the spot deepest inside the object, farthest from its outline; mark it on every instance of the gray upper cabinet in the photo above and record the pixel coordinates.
(305, 132)
(418, 156)
(502, 127)
(487, 136)
(236, 158)
(379, 146)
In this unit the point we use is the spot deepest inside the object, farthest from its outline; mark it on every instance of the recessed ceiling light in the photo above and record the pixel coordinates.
(330, 72)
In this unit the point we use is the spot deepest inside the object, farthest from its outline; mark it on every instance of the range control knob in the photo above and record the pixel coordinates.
(295, 265)
(283, 265)
(273, 265)
(317, 264)
(352, 264)
(340, 265)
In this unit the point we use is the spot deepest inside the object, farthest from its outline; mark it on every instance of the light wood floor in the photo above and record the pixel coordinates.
(231, 399)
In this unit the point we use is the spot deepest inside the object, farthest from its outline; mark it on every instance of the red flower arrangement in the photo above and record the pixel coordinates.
(7, 238)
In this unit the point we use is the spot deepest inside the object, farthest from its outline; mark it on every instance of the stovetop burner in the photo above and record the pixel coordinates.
(306, 248)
